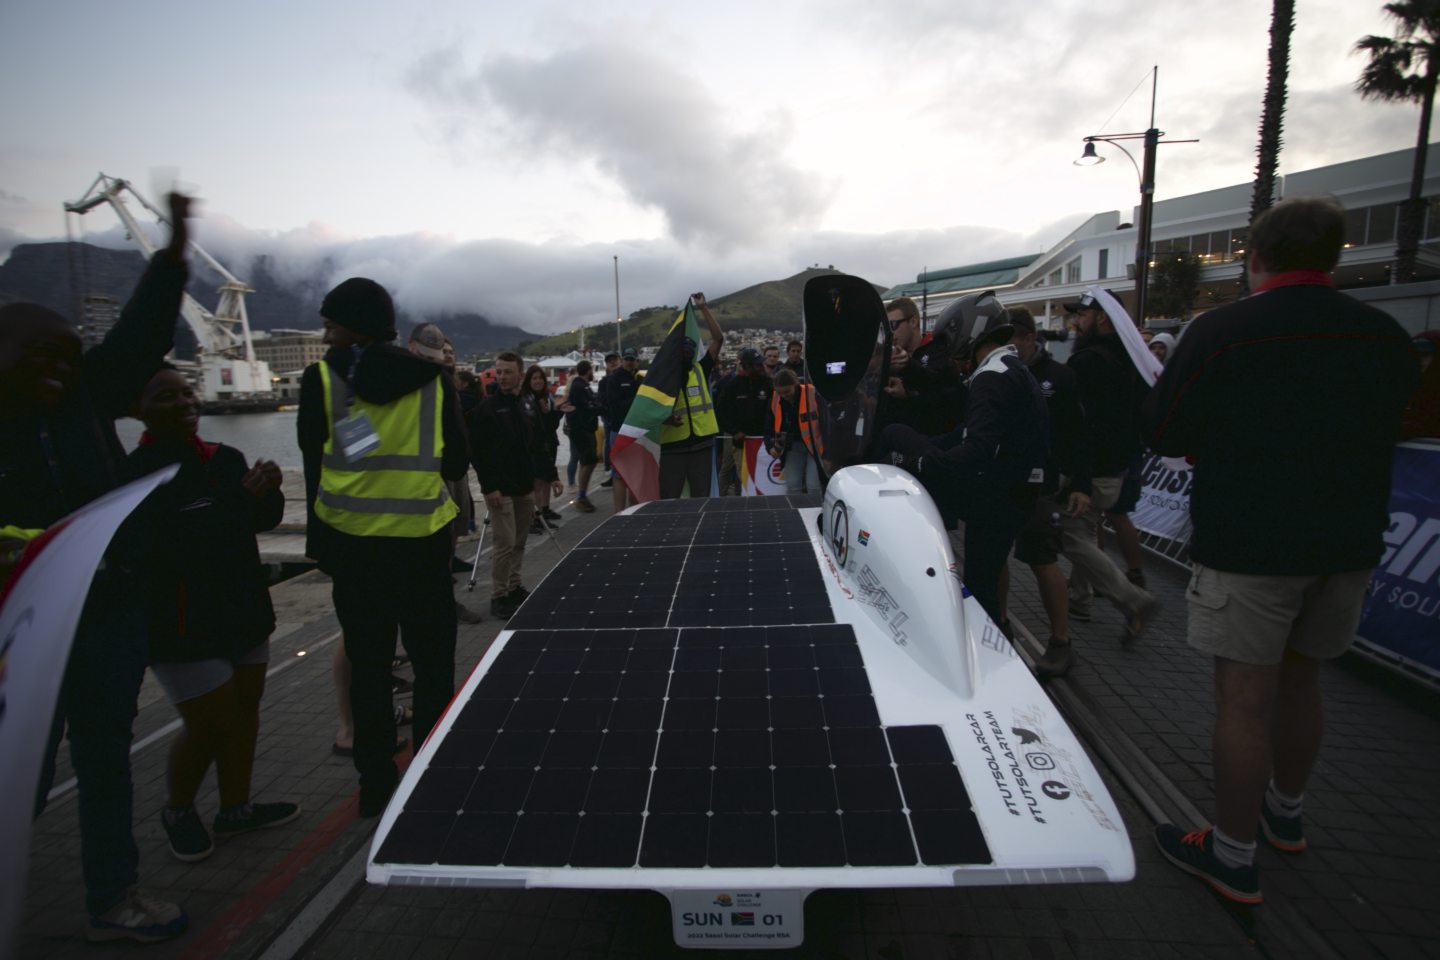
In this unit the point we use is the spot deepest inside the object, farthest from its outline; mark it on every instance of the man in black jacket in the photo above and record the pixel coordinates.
(618, 389)
(989, 471)
(58, 452)
(1111, 390)
(742, 404)
(926, 390)
(1066, 489)
(1289, 401)
(380, 432)
(509, 456)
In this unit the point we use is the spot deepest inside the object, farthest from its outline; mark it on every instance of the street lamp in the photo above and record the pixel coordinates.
(617, 303)
(1151, 137)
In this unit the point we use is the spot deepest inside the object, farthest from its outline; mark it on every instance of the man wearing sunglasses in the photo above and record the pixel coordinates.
(924, 390)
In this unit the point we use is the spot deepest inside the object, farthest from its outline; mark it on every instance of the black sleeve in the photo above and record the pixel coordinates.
(483, 444)
(266, 510)
(455, 455)
(1171, 415)
(1069, 424)
(312, 431)
(983, 433)
(118, 369)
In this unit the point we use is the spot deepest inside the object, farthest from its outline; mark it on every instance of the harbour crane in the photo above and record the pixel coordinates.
(228, 369)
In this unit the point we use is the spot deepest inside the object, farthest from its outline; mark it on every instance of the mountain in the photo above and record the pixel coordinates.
(772, 305)
(42, 273)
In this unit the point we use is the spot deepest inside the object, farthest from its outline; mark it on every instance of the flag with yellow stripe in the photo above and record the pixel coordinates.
(636, 452)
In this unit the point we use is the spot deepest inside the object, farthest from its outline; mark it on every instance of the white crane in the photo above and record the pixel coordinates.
(229, 370)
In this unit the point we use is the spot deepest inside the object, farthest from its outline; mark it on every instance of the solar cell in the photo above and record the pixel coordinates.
(719, 747)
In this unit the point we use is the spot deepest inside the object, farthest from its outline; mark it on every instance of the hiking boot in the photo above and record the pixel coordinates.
(536, 526)
(517, 596)
(253, 816)
(501, 608)
(1057, 660)
(584, 505)
(608, 482)
(1194, 853)
(1140, 618)
(140, 918)
(1284, 833)
(189, 840)
(550, 515)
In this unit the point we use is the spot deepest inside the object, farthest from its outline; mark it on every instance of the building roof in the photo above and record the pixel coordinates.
(992, 273)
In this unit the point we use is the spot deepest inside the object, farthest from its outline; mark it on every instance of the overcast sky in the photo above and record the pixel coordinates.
(489, 157)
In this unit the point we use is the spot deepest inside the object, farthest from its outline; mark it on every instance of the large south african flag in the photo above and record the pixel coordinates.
(636, 452)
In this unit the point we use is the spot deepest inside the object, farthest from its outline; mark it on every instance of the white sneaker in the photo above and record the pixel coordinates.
(138, 917)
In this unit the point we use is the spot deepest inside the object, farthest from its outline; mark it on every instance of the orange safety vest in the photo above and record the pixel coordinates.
(808, 418)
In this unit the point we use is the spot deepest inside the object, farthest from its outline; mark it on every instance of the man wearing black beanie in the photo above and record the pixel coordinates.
(380, 431)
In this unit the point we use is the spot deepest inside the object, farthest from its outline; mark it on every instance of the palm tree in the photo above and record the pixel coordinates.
(1404, 69)
(1272, 114)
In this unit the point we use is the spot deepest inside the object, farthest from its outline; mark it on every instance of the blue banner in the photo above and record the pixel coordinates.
(1402, 610)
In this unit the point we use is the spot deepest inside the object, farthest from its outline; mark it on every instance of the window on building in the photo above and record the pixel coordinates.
(1104, 264)
(1355, 223)
(1382, 223)
(1072, 271)
(1220, 246)
(1055, 278)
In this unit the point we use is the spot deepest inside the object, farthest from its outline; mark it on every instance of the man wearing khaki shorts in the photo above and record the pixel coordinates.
(1289, 402)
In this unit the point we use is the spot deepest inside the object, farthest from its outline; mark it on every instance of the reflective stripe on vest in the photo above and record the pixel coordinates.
(396, 490)
(701, 421)
(808, 417)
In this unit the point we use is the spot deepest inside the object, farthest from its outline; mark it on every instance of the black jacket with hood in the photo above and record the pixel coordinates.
(379, 373)
(1111, 391)
(207, 595)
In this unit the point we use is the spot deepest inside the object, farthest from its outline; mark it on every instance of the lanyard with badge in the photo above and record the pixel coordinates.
(355, 435)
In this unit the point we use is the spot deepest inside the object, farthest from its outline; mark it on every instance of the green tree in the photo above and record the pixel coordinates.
(1174, 285)
(1272, 114)
(1404, 69)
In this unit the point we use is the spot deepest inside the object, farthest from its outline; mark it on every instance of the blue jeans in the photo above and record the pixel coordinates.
(802, 473)
(97, 704)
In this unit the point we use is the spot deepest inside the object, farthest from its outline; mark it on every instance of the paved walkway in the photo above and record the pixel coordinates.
(1366, 888)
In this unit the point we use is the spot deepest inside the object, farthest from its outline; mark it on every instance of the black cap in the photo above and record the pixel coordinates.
(629, 354)
(1087, 302)
(361, 306)
(612, 355)
(751, 356)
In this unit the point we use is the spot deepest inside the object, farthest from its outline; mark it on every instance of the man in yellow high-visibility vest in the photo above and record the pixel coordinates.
(381, 432)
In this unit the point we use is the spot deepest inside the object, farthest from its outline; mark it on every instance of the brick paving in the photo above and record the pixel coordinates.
(1366, 888)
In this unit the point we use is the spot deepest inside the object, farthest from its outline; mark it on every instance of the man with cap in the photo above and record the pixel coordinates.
(742, 404)
(1111, 391)
(989, 471)
(1066, 491)
(58, 452)
(380, 433)
(618, 391)
(612, 364)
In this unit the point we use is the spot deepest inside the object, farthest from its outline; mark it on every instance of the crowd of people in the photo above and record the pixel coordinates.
(1019, 451)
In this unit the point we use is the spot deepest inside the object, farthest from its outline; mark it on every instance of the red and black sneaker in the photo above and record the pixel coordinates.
(1194, 853)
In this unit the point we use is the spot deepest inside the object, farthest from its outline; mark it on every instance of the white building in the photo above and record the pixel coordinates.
(289, 350)
(1213, 225)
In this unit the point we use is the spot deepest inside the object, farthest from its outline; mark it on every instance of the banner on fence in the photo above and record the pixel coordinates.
(1402, 610)
(1164, 507)
(762, 476)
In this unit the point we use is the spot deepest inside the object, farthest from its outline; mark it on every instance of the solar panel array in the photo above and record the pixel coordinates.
(628, 734)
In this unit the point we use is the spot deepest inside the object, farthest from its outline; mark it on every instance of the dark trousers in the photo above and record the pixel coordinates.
(97, 709)
(992, 522)
(406, 589)
(695, 465)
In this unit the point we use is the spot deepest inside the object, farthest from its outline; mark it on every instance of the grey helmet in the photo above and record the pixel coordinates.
(968, 321)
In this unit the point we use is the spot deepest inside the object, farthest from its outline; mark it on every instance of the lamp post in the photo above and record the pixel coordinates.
(617, 303)
(1151, 138)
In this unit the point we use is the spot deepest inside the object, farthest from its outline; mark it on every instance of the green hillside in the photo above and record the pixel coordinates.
(772, 305)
